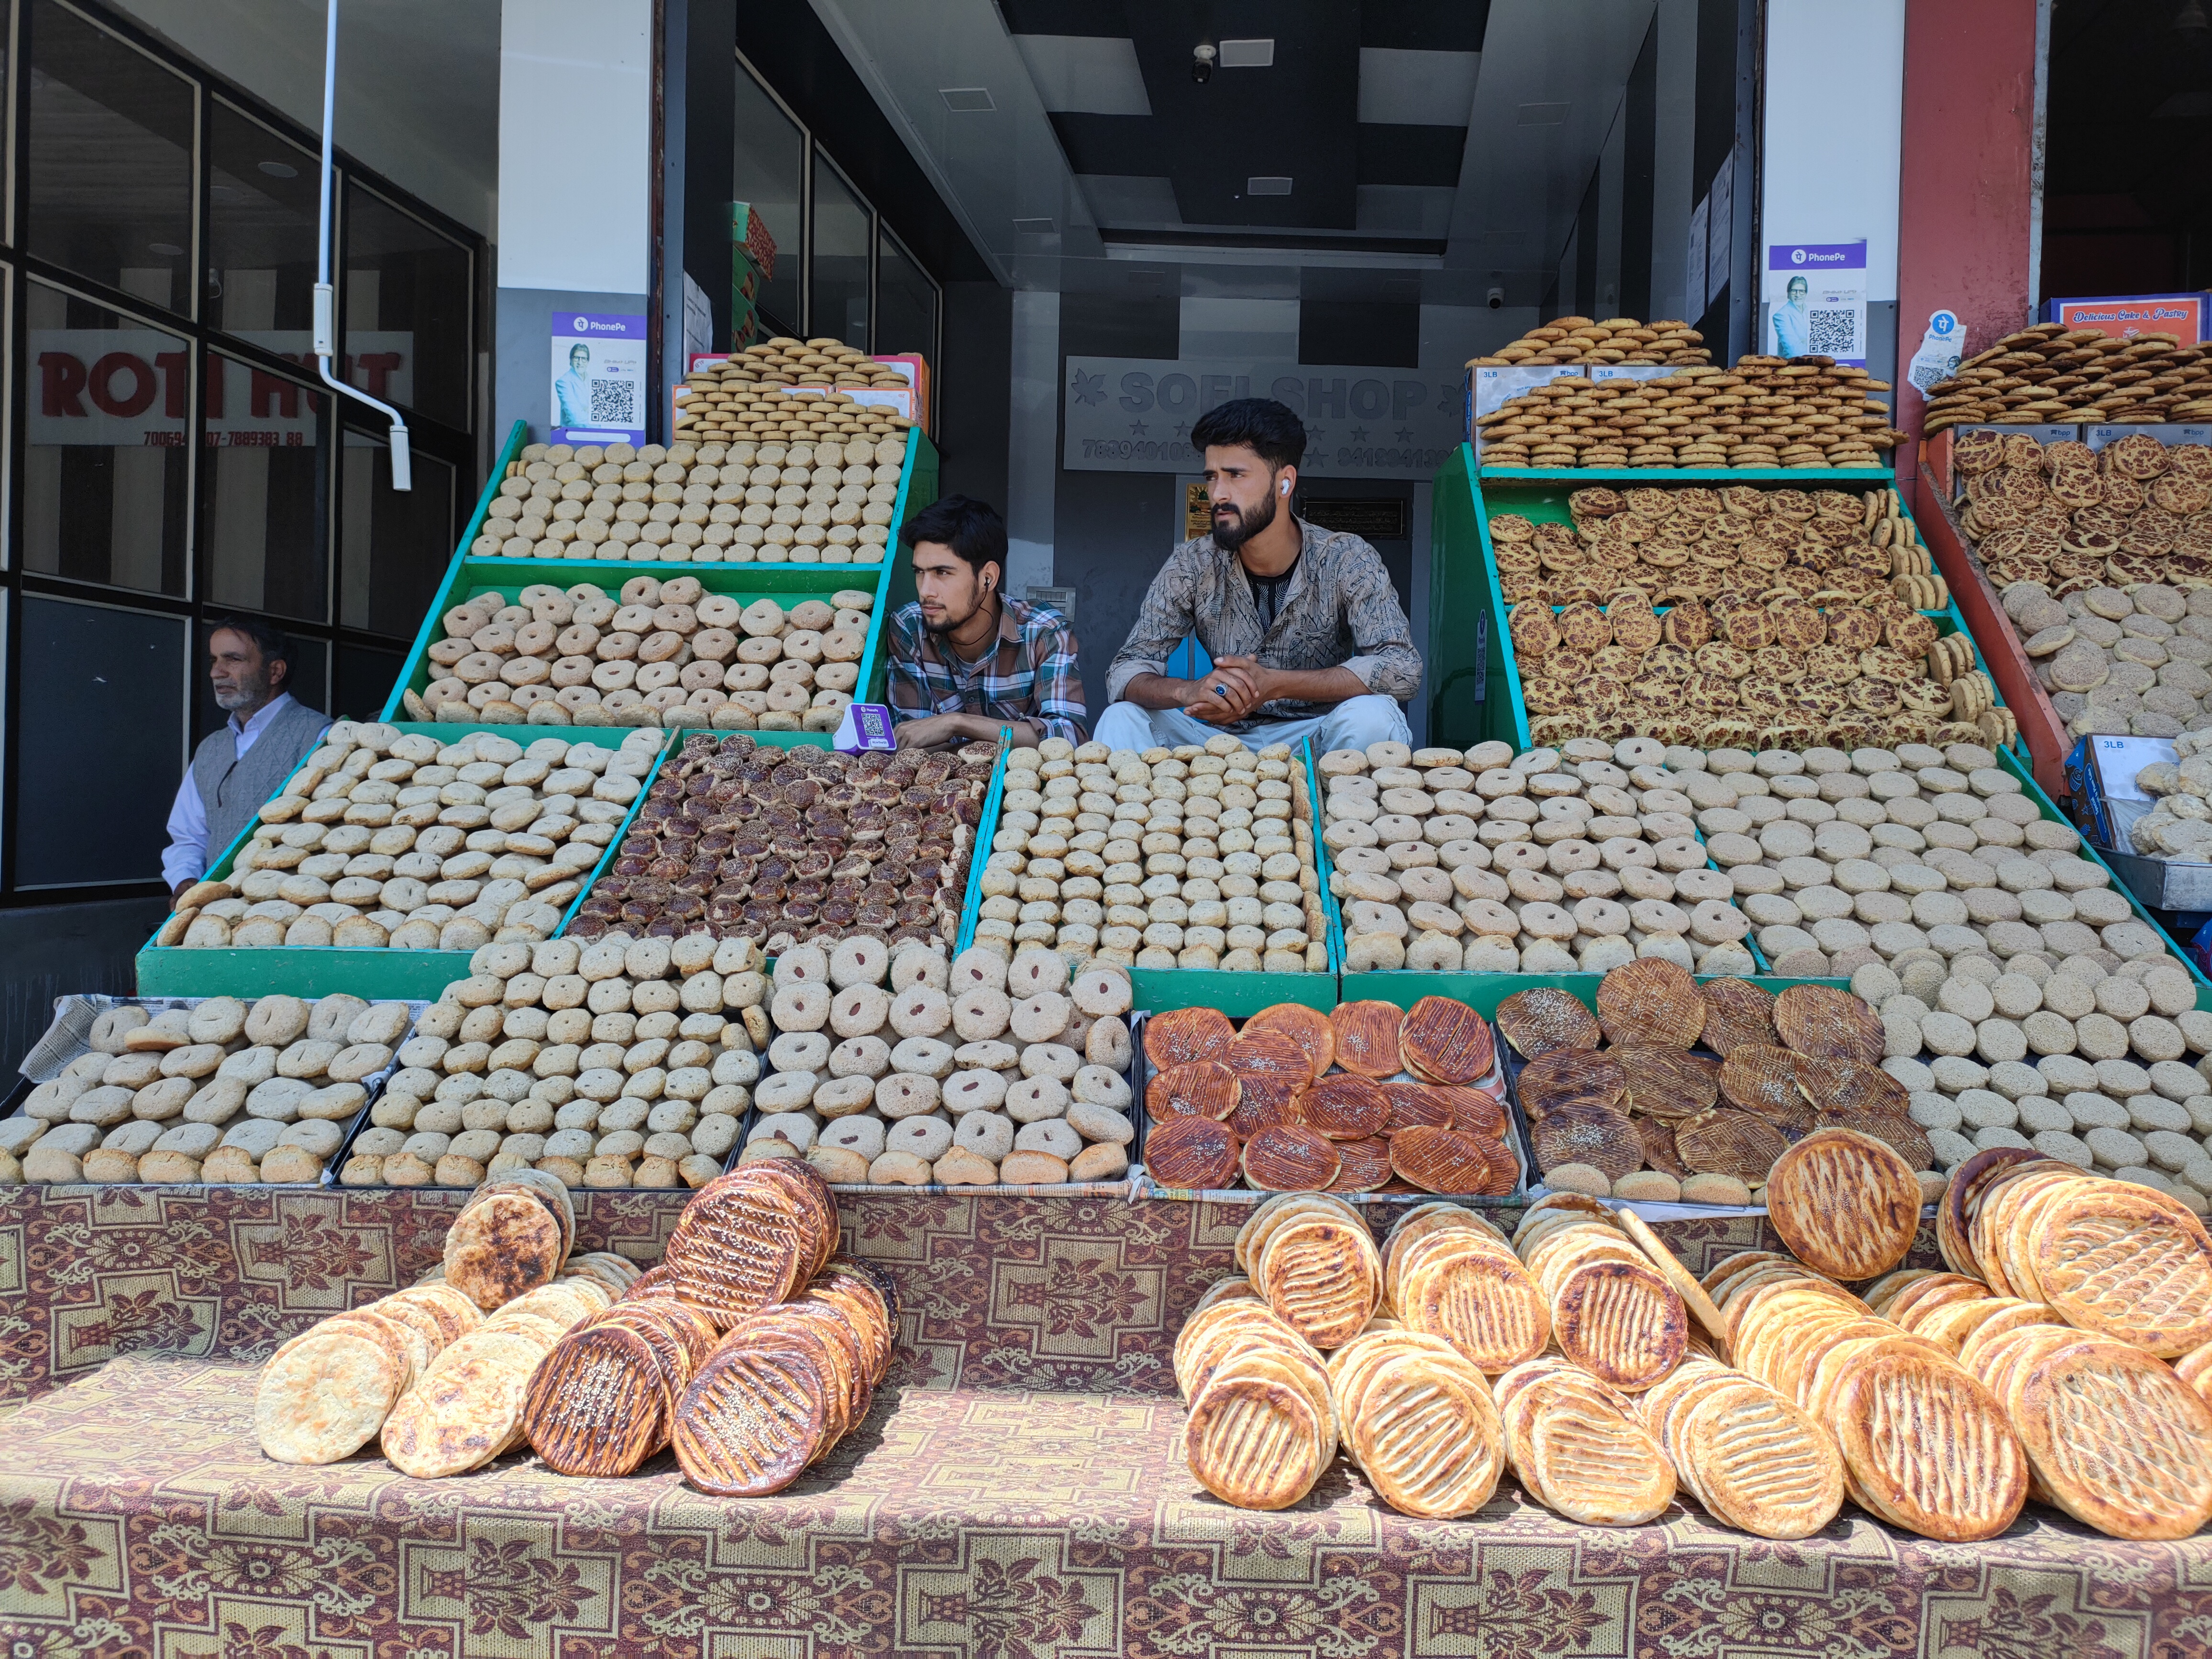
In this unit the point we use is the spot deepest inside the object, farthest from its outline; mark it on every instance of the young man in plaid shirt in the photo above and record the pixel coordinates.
(967, 658)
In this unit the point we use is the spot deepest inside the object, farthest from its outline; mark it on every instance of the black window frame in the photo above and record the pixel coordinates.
(466, 449)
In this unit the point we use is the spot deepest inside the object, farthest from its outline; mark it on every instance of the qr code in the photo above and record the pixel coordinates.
(614, 403)
(1833, 332)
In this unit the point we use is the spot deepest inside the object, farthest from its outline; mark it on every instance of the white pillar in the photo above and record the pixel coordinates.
(575, 180)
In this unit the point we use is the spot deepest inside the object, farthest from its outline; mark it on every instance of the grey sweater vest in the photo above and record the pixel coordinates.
(233, 788)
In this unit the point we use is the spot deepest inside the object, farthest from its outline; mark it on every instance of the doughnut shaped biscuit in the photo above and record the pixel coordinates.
(905, 1094)
(921, 1010)
(1034, 971)
(1040, 1018)
(916, 963)
(977, 967)
(845, 1096)
(1052, 1059)
(928, 1137)
(803, 1005)
(980, 1013)
(859, 961)
(987, 1134)
(973, 1090)
(277, 1022)
(860, 1009)
(219, 1019)
(923, 1057)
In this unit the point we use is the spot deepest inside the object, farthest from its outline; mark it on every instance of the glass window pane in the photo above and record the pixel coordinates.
(262, 510)
(771, 164)
(395, 546)
(366, 677)
(309, 681)
(906, 303)
(841, 232)
(407, 332)
(106, 460)
(111, 160)
(104, 682)
(261, 234)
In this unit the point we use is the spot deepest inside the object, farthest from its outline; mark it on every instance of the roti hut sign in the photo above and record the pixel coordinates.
(1134, 413)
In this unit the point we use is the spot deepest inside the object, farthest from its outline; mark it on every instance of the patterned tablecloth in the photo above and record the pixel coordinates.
(1016, 1493)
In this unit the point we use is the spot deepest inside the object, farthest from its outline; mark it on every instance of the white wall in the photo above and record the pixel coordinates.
(575, 145)
(1834, 105)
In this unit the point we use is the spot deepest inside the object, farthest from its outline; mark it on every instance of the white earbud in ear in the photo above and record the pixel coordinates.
(1283, 488)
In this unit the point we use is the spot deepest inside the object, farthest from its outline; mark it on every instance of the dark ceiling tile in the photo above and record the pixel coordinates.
(1296, 120)
(1392, 155)
(1093, 17)
(1123, 144)
(1424, 25)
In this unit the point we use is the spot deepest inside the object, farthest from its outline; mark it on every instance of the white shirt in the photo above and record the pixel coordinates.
(186, 858)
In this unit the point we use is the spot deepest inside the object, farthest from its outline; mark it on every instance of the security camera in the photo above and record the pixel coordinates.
(1201, 63)
(1497, 299)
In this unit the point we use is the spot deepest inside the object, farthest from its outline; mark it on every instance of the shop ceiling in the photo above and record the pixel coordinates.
(1424, 149)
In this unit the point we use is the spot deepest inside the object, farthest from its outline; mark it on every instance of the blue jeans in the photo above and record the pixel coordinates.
(1353, 724)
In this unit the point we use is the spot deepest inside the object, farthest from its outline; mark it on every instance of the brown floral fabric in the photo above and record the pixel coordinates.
(1015, 1494)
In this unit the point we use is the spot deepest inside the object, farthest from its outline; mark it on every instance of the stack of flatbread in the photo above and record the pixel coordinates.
(1748, 1454)
(784, 1386)
(2065, 1292)
(1419, 1421)
(1578, 1447)
(1925, 1445)
(439, 1370)
(1613, 1313)
(1260, 1427)
(1312, 1258)
(1449, 1274)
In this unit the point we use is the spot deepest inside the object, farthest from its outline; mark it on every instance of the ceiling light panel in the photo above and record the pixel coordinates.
(1268, 185)
(1248, 54)
(966, 100)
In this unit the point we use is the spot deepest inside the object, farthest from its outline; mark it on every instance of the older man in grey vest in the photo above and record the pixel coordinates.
(239, 765)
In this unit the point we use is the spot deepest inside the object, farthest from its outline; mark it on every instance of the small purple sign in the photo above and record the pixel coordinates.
(598, 379)
(865, 726)
(1816, 256)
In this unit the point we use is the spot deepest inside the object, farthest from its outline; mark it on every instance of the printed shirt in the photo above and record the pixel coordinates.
(1031, 676)
(1341, 612)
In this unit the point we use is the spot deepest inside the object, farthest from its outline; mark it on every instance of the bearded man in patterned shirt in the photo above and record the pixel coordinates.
(967, 659)
(1304, 627)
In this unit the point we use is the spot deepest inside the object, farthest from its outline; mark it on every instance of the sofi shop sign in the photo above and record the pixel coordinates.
(131, 387)
(1134, 413)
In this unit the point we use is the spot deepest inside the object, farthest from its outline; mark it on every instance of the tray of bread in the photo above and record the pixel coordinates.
(1580, 1356)
(1673, 1090)
(216, 1089)
(2091, 1064)
(1554, 860)
(890, 1067)
(1365, 1098)
(2050, 373)
(1764, 412)
(786, 845)
(613, 1062)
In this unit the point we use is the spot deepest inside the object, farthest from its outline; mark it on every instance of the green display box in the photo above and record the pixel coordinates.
(1158, 988)
(2019, 769)
(322, 971)
(1484, 992)
(888, 580)
(1476, 677)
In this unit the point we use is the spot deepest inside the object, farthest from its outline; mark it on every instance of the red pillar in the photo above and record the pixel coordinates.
(1969, 176)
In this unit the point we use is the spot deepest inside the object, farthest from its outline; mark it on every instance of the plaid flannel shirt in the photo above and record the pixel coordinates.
(1030, 675)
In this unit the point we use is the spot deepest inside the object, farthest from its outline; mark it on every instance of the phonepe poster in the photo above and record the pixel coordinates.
(132, 386)
(1134, 413)
(598, 379)
(1814, 297)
